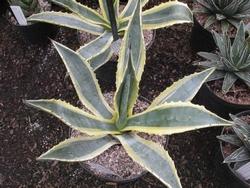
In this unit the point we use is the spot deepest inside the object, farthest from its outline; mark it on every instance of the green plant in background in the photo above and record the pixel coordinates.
(171, 112)
(86, 19)
(226, 12)
(241, 139)
(28, 6)
(232, 61)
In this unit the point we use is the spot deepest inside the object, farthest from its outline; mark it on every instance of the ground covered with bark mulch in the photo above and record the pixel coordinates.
(35, 72)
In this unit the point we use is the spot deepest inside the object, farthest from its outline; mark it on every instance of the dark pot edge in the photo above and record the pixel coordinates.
(114, 180)
(231, 105)
(228, 165)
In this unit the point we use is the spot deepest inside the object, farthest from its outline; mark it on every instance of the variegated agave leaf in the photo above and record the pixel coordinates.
(225, 12)
(106, 127)
(240, 138)
(89, 20)
(232, 61)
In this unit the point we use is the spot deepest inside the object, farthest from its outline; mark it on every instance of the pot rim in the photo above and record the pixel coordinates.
(217, 98)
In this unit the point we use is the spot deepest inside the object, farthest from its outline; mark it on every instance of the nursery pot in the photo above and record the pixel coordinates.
(38, 33)
(111, 180)
(201, 39)
(218, 105)
(3, 7)
(239, 181)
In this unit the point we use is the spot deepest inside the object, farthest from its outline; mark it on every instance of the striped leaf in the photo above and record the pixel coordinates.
(67, 20)
(172, 118)
(97, 46)
(130, 67)
(81, 10)
(152, 157)
(84, 81)
(166, 14)
(79, 149)
(183, 90)
(239, 155)
(130, 7)
(99, 60)
(125, 96)
(74, 117)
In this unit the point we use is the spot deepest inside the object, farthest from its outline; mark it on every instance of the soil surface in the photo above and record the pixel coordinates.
(36, 72)
(238, 94)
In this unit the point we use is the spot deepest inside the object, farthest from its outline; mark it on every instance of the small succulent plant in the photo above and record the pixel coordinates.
(171, 112)
(226, 12)
(89, 20)
(241, 139)
(28, 7)
(232, 61)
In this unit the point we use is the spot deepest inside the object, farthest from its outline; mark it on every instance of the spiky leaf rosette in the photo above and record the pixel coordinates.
(241, 139)
(232, 61)
(28, 6)
(170, 113)
(226, 12)
(83, 18)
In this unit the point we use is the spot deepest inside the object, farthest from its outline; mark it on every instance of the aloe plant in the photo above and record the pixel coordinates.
(28, 6)
(225, 12)
(83, 18)
(232, 61)
(241, 139)
(171, 112)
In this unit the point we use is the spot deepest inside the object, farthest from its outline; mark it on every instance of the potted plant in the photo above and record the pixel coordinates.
(227, 89)
(221, 16)
(171, 112)
(235, 147)
(100, 50)
(33, 32)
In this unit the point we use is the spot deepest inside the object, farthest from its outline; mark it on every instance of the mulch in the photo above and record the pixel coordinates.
(36, 72)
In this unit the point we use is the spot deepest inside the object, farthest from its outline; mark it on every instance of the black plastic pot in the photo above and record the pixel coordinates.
(201, 39)
(38, 33)
(216, 104)
(238, 180)
(3, 7)
(114, 181)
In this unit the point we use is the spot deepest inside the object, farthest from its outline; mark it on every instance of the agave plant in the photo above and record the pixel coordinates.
(240, 139)
(171, 112)
(232, 62)
(226, 12)
(83, 18)
(28, 6)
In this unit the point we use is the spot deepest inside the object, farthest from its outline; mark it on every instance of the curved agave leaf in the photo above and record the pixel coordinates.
(228, 82)
(152, 157)
(85, 83)
(101, 59)
(128, 76)
(166, 14)
(83, 11)
(74, 117)
(130, 7)
(210, 20)
(239, 155)
(124, 95)
(209, 56)
(232, 139)
(183, 90)
(172, 118)
(97, 46)
(67, 20)
(79, 149)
